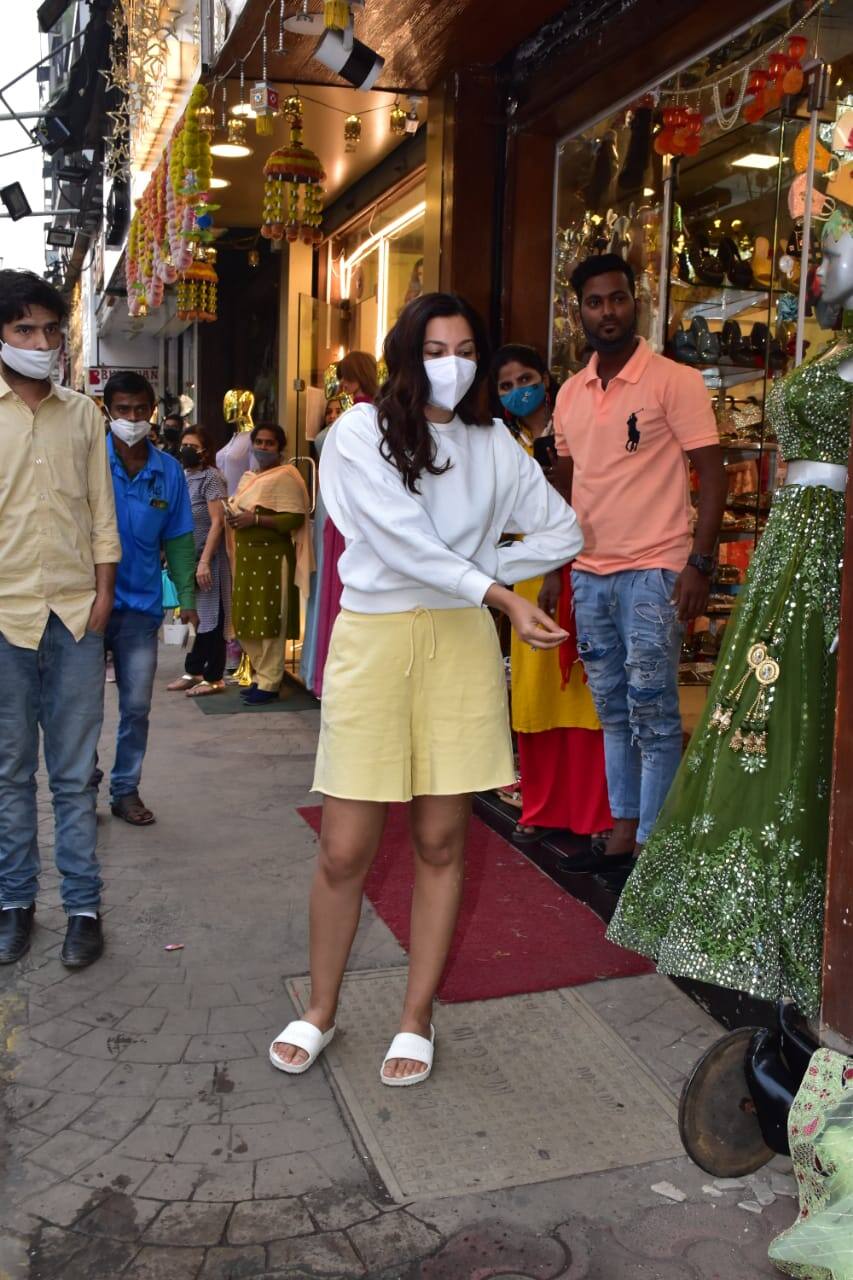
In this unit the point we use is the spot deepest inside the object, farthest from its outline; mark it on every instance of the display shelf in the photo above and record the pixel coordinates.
(723, 376)
(727, 302)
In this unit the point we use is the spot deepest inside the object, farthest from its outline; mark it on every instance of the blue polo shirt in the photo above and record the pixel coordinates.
(151, 507)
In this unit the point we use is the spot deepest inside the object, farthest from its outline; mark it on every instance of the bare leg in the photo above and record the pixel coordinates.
(439, 826)
(350, 836)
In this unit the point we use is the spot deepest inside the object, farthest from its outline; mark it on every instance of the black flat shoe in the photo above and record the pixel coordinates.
(592, 862)
(84, 942)
(16, 925)
(614, 881)
(532, 837)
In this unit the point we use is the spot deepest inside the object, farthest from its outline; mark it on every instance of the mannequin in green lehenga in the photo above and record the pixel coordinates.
(730, 886)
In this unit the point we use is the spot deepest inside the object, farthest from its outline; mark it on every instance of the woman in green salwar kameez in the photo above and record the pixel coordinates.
(269, 516)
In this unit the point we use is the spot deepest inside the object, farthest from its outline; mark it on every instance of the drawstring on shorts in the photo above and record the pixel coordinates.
(417, 613)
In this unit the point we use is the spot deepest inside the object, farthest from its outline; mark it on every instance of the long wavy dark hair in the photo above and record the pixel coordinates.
(406, 439)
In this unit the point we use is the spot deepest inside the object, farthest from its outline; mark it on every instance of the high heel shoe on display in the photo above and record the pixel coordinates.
(738, 271)
(684, 347)
(707, 343)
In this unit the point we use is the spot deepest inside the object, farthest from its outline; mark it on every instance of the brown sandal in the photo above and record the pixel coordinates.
(204, 689)
(132, 810)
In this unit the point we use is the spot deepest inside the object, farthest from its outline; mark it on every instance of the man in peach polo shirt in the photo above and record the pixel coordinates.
(625, 427)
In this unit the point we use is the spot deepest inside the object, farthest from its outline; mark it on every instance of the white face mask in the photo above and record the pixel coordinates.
(37, 365)
(450, 380)
(130, 433)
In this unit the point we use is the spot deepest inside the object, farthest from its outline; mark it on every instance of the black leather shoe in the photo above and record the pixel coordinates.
(16, 925)
(84, 942)
(592, 862)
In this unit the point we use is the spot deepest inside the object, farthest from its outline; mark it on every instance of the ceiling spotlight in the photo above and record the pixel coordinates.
(235, 146)
(51, 134)
(217, 184)
(755, 160)
(16, 203)
(359, 65)
(305, 23)
(61, 237)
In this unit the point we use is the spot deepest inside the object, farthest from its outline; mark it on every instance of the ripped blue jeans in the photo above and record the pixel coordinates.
(629, 640)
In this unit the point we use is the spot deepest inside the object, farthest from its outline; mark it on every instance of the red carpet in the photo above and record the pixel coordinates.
(518, 932)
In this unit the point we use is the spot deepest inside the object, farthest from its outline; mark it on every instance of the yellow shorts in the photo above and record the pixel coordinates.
(414, 704)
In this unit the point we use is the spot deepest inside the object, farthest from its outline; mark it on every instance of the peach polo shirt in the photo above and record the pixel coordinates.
(628, 443)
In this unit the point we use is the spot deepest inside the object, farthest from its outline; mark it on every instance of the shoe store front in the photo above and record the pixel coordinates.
(701, 183)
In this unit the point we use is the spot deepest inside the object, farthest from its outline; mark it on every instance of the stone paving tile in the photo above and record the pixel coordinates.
(288, 1176)
(37, 1066)
(116, 1172)
(233, 1264)
(104, 1012)
(392, 1239)
(119, 1217)
(186, 1022)
(212, 996)
(240, 1017)
(186, 1111)
(67, 1152)
(489, 1246)
(206, 1142)
(84, 1076)
(66, 1256)
(335, 1209)
(172, 1182)
(62, 1110)
(133, 1079)
(21, 1102)
(158, 1142)
(63, 1203)
(142, 1021)
(322, 1255)
(229, 1183)
(58, 1032)
(225, 1046)
(112, 1117)
(185, 1222)
(155, 1263)
(259, 1221)
(186, 1080)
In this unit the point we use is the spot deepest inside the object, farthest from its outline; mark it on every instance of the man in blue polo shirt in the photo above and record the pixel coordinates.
(154, 516)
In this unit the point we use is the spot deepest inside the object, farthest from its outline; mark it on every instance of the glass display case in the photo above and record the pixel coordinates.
(716, 243)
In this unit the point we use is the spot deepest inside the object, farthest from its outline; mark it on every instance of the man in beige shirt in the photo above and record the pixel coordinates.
(58, 553)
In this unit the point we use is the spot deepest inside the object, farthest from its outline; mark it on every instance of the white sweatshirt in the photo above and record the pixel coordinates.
(439, 549)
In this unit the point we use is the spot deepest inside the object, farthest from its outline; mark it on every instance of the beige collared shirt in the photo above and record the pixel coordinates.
(57, 512)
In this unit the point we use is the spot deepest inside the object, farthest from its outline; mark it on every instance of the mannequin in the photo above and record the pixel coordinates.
(730, 887)
(236, 458)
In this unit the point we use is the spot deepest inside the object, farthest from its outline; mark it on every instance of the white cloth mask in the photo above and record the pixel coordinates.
(38, 365)
(130, 433)
(450, 380)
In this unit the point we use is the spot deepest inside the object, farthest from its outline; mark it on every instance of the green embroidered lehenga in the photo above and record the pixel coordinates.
(730, 887)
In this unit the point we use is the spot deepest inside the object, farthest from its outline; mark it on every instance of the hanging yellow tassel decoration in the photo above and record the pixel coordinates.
(336, 14)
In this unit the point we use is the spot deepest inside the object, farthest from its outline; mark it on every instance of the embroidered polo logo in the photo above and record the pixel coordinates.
(632, 444)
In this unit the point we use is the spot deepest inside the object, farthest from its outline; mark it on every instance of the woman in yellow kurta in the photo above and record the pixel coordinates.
(560, 743)
(269, 514)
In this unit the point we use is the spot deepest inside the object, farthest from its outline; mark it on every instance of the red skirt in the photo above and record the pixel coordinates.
(563, 783)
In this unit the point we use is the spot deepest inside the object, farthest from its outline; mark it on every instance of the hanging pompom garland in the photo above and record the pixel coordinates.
(336, 14)
(173, 216)
(293, 192)
(196, 291)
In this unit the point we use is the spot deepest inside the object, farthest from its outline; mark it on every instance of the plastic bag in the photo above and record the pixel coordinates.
(170, 594)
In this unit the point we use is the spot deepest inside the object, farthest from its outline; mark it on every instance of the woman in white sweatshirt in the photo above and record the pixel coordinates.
(414, 703)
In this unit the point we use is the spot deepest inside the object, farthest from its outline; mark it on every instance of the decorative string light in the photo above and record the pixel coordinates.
(397, 121)
(352, 132)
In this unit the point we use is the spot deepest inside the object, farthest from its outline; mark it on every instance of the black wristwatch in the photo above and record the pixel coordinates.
(705, 564)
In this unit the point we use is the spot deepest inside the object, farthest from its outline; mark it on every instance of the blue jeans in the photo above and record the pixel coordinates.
(629, 639)
(59, 686)
(132, 639)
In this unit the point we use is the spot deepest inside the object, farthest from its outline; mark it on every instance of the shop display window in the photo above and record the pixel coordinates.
(716, 242)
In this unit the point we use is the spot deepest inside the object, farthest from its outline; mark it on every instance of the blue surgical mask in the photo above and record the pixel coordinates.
(522, 401)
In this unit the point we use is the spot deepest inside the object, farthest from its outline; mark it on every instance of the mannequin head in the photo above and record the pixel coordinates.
(836, 270)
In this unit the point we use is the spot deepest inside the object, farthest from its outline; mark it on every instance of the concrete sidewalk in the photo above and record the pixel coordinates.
(145, 1135)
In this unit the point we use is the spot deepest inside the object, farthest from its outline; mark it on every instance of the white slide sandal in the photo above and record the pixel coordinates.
(415, 1049)
(302, 1035)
